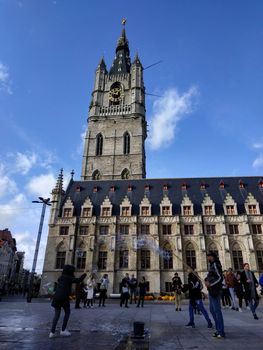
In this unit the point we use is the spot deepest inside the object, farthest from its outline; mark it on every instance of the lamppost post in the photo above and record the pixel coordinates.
(44, 202)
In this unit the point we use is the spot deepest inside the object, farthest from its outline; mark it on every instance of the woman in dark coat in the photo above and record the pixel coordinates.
(61, 298)
(142, 291)
(250, 284)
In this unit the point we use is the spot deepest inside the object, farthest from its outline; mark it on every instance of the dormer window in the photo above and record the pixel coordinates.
(78, 189)
(208, 210)
(187, 210)
(184, 186)
(222, 185)
(230, 209)
(129, 188)
(112, 189)
(95, 189)
(67, 212)
(202, 186)
(126, 211)
(145, 211)
(252, 209)
(260, 184)
(86, 212)
(106, 211)
(241, 184)
(166, 210)
(165, 187)
(146, 188)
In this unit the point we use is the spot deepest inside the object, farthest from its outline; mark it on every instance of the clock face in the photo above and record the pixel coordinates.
(116, 94)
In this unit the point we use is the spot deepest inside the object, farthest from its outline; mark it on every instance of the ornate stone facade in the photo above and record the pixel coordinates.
(116, 221)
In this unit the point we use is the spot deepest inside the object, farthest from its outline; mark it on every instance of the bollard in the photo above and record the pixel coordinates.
(138, 329)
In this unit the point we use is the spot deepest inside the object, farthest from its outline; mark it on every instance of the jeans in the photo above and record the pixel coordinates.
(253, 304)
(233, 297)
(178, 298)
(215, 309)
(56, 318)
(133, 293)
(200, 305)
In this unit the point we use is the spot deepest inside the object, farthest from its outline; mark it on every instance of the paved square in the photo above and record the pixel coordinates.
(26, 326)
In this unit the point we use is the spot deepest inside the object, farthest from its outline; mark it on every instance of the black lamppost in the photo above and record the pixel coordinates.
(45, 202)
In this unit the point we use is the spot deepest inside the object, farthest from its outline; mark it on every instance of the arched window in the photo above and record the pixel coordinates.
(126, 143)
(96, 175)
(125, 175)
(60, 256)
(213, 248)
(99, 144)
(190, 256)
(237, 257)
(259, 252)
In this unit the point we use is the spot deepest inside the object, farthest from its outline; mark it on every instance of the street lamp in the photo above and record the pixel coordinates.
(44, 203)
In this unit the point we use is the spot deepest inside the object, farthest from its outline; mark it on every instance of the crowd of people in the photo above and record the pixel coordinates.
(224, 288)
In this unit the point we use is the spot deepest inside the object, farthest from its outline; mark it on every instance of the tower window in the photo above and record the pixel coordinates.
(125, 176)
(99, 145)
(96, 176)
(126, 143)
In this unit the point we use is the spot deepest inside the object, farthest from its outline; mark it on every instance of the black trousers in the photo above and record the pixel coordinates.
(140, 300)
(225, 297)
(124, 299)
(102, 298)
(57, 316)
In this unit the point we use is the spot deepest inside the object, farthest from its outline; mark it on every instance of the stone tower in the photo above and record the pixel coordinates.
(116, 133)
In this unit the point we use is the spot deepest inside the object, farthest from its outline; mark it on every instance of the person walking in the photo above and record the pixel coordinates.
(61, 299)
(195, 287)
(142, 292)
(230, 281)
(177, 288)
(213, 283)
(133, 288)
(104, 284)
(225, 297)
(238, 288)
(250, 284)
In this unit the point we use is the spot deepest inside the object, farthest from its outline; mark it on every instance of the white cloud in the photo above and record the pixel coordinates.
(258, 162)
(41, 185)
(5, 83)
(10, 211)
(7, 185)
(24, 162)
(167, 112)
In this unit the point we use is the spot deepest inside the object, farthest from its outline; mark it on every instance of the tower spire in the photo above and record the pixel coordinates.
(59, 185)
(122, 62)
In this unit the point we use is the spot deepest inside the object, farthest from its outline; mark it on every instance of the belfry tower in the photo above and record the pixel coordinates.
(116, 133)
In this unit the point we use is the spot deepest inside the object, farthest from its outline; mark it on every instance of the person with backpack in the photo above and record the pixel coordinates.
(195, 287)
(61, 299)
(213, 283)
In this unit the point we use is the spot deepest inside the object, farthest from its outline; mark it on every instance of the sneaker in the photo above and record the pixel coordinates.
(232, 308)
(180, 309)
(65, 333)
(219, 336)
(215, 335)
(176, 309)
(240, 310)
(255, 316)
(51, 335)
(237, 309)
(248, 307)
(223, 307)
(188, 325)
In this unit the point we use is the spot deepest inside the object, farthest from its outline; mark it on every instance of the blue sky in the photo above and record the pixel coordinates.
(210, 80)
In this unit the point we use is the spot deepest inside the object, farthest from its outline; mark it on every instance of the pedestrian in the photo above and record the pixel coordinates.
(213, 283)
(61, 298)
(225, 297)
(133, 288)
(142, 292)
(195, 287)
(250, 284)
(124, 293)
(177, 288)
(238, 287)
(91, 284)
(104, 284)
(230, 281)
(79, 294)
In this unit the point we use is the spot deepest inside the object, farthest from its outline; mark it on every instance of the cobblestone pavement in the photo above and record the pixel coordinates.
(26, 326)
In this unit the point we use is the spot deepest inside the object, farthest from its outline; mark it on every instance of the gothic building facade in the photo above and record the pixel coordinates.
(115, 220)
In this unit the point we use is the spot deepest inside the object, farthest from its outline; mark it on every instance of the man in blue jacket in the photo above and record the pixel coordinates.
(213, 283)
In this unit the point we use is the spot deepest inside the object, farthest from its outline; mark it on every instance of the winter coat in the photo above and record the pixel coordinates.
(142, 288)
(63, 291)
(133, 283)
(230, 280)
(247, 286)
(91, 284)
(177, 284)
(195, 287)
(215, 278)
